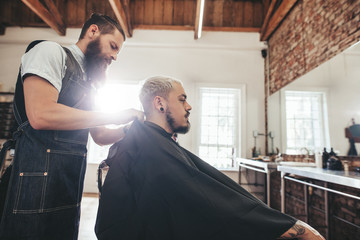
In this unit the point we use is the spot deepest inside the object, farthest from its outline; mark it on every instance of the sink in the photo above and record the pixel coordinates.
(297, 164)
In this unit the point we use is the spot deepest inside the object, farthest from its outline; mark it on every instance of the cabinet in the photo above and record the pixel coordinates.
(7, 119)
(331, 199)
(7, 125)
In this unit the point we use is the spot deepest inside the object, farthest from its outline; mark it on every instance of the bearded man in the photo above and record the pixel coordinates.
(53, 107)
(157, 190)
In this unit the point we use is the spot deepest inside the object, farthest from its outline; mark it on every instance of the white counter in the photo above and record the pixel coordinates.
(258, 166)
(350, 178)
(257, 163)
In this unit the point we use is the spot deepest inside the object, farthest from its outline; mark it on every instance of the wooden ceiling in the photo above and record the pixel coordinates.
(218, 15)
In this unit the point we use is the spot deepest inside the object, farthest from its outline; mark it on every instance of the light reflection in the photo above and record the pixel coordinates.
(116, 97)
(111, 98)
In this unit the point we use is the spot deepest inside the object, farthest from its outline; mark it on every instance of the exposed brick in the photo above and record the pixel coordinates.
(312, 33)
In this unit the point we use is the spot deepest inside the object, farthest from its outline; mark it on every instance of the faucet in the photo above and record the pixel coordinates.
(304, 148)
(278, 158)
(307, 153)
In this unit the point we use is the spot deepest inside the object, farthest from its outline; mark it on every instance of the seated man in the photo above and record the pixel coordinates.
(155, 189)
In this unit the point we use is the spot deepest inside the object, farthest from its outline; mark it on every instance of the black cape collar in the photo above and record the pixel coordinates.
(159, 129)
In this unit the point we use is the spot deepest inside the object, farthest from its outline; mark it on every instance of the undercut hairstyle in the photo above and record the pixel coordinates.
(156, 86)
(106, 24)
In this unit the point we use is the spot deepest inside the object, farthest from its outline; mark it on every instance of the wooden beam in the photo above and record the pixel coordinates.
(123, 15)
(191, 28)
(45, 15)
(268, 15)
(199, 18)
(266, 5)
(276, 19)
(126, 6)
(55, 12)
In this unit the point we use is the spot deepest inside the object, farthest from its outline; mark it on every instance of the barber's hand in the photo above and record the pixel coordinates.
(139, 115)
(128, 115)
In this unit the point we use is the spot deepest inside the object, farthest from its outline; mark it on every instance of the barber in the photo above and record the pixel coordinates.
(53, 106)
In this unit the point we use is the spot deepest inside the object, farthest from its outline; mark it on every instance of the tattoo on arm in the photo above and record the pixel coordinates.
(295, 231)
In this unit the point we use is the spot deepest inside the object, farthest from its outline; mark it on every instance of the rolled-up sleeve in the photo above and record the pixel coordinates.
(46, 60)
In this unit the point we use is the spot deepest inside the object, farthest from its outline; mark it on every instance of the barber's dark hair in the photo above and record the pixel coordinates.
(105, 23)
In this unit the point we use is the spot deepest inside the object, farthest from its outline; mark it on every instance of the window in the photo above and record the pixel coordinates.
(112, 98)
(218, 139)
(306, 121)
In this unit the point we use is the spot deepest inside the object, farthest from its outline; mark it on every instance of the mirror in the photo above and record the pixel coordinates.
(339, 80)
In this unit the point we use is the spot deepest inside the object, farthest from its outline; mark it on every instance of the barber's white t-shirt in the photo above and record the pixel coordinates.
(47, 60)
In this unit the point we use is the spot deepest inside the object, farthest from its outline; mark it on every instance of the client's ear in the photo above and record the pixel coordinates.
(159, 104)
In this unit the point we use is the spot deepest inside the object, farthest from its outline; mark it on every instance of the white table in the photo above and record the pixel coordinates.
(258, 166)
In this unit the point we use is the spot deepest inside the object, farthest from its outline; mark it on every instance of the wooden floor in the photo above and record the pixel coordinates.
(89, 207)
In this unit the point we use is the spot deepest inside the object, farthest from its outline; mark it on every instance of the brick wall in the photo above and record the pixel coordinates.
(298, 158)
(312, 33)
(345, 214)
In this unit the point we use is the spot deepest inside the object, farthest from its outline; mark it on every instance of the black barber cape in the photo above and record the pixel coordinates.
(157, 190)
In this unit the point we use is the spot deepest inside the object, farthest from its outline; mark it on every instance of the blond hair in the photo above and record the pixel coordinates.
(156, 86)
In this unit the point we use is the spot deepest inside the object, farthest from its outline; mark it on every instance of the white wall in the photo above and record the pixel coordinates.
(215, 58)
(218, 57)
(14, 43)
(344, 99)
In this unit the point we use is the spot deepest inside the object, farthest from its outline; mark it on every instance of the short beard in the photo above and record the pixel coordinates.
(171, 121)
(95, 63)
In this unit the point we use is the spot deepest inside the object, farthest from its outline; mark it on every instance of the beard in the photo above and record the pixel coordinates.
(177, 129)
(95, 63)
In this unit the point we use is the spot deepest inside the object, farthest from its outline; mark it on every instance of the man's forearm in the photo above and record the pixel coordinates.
(61, 117)
(105, 136)
(302, 231)
(45, 113)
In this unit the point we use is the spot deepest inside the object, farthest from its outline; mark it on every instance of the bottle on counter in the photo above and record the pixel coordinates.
(318, 159)
(346, 166)
(325, 157)
(332, 153)
(334, 163)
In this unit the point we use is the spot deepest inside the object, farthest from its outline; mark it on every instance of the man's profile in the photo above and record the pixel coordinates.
(155, 189)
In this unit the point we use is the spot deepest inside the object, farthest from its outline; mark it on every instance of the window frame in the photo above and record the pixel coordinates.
(241, 125)
(325, 115)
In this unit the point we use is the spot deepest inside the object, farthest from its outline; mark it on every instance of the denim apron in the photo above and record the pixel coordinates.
(46, 182)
